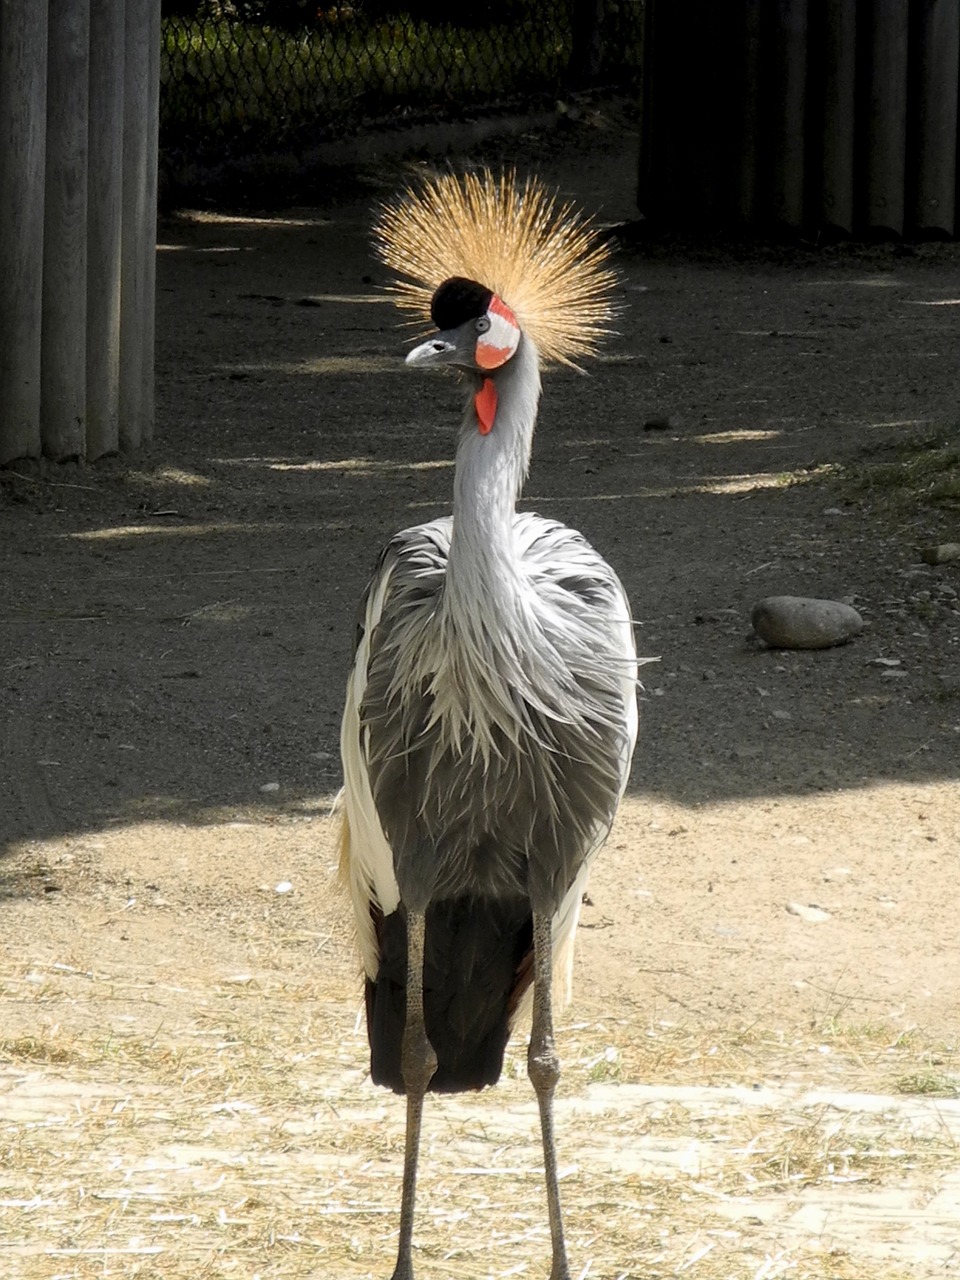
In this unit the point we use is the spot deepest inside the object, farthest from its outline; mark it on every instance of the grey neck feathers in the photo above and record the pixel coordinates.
(490, 473)
(491, 648)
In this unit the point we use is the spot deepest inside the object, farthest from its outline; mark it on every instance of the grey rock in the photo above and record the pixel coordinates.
(799, 622)
(942, 554)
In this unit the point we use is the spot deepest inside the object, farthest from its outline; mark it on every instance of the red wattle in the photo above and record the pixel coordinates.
(485, 403)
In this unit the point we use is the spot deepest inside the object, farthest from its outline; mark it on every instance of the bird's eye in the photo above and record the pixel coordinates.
(482, 324)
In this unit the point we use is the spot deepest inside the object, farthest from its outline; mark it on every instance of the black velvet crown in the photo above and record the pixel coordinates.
(458, 300)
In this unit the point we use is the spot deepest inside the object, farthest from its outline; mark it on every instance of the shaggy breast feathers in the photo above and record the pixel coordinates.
(479, 812)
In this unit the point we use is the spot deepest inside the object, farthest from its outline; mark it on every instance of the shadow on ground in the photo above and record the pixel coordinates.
(177, 627)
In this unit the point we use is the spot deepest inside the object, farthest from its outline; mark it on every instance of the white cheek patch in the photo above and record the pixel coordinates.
(498, 344)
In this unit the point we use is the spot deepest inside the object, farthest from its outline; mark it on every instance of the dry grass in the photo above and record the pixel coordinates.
(235, 1134)
(920, 472)
(189, 1099)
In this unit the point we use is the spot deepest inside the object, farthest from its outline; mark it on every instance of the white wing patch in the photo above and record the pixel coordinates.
(367, 859)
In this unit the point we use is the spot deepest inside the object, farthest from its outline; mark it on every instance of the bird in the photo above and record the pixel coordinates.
(491, 711)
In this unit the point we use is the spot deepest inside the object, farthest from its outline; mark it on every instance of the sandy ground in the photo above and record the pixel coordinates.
(762, 1049)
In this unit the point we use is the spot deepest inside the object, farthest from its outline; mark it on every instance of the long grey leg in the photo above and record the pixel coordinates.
(543, 1067)
(418, 1062)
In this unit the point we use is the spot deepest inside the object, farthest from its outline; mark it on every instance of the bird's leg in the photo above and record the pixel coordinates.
(418, 1062)
(543, 1067)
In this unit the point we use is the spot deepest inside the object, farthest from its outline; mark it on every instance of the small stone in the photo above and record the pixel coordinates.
(270, 786)
(884, 662)
(811, 913)
(283, 887)
(798, 622)
(940, 554)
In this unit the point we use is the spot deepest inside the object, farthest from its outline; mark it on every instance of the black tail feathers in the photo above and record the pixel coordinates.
(476, 967)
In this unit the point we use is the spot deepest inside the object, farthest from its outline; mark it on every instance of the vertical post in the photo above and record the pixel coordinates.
(23, 93)
(746, 86)
(650, 121)
(688, 156)
(63, 382)
(139, 234)
(104, 200)
(938, 35)
(838, 89)
(790, 100)
(887, 115)
(151, 110)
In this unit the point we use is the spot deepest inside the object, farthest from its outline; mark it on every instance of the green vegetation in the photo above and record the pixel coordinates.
(922, 471)
(222, 76)
(930, 1083)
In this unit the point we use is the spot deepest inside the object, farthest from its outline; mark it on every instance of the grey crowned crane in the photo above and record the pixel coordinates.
(491, 710)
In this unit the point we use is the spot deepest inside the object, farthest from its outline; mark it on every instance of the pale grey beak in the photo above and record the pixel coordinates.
(439, 350)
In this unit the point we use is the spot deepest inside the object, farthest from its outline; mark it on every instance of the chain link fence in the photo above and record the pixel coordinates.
(261, 73)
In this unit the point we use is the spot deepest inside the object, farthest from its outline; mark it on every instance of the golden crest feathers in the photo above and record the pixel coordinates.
(542, 258)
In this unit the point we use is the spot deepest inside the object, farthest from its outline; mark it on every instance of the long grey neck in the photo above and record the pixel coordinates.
(490, 472)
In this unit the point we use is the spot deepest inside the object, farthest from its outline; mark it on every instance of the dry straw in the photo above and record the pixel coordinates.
(243, 1140)
(216, 1120)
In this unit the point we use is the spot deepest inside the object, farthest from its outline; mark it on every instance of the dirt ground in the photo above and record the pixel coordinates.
(761, 1057)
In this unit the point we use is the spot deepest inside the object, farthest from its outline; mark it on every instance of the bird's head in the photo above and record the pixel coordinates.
(478, 331)
(549, 285)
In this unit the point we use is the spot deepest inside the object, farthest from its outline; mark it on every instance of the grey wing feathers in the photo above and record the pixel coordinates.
(521, 816)
(565, 557)
(423, 547)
